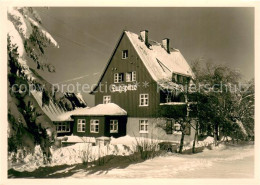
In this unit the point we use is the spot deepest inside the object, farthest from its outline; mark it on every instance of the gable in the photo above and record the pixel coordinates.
(117, 64)
(159, 63)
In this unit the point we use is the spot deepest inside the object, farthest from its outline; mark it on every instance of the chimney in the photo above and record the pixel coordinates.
(144, 36)
(166, 44)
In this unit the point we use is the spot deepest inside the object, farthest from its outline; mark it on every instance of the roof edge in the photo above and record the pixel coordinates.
(109, 61)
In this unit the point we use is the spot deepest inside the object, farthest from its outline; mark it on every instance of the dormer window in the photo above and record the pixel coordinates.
(124, 54)
(180, 79)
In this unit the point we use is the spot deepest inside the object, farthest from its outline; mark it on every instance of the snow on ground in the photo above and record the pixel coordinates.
(222, 162)
(73, 154)
(78, 152)
(84, 151)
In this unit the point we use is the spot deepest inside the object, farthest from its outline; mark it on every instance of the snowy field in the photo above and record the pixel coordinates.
(232, 161)
(221, 162)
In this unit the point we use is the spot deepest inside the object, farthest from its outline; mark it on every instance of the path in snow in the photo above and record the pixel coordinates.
(222, 162)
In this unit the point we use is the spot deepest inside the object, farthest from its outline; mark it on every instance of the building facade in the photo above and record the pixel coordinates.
(141, 76)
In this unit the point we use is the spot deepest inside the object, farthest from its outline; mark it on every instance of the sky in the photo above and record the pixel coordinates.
(88, 35)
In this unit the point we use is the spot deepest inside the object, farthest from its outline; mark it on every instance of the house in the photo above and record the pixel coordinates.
(101, 120)
(138, 77)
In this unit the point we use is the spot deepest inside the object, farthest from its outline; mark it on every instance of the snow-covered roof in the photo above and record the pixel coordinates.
(100, 110)
(53, 111)
(158, 61)
(174, 103)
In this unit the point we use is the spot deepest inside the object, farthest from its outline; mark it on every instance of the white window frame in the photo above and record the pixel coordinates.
(61, 125)
(128, 77)
(81, 125)
(145, 98)
(133, 76)
(106, 99)
(143, 126)
(114, 124)
(125, 54)
(93, 124)
(118, 77)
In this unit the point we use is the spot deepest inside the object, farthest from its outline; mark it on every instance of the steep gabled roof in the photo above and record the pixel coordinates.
(159, 63)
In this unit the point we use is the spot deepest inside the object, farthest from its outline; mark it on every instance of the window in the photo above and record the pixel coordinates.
(131, 76)
(81, 127)
(134, 76)
(113, 126)
(180, 79)
(144, 99)
(168, 98)
(143, 126)
(106, 99)
(94, 126)
(128, 77)
(118, 77)
(63, 127)
(124, 54)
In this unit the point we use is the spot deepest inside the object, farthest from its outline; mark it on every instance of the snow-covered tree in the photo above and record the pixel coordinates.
(26, 45)
(221, 103)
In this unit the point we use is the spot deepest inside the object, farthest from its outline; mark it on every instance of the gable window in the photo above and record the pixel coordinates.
(134, 76)
(81, 126)
(128, 77)
(143, 126)
(118, 77)
(124, 54)
(113, 126)
(106, 99)
(63, 127)
(94, 126)
(144, 100)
